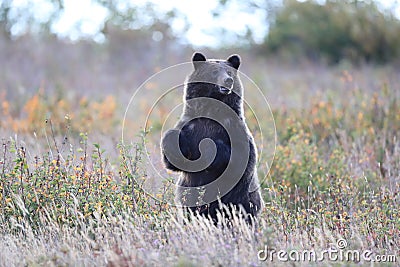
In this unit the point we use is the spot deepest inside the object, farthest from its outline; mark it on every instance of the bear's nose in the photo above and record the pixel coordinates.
(228, 82)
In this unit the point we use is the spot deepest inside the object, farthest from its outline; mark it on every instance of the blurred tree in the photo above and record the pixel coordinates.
(333, 29)
(4, 15)
(246, 39)
(353, 30)
(20, 18)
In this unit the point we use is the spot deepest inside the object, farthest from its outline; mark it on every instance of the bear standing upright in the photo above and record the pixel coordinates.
(211, 144)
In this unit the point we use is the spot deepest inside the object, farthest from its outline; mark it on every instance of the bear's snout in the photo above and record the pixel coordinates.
(227, 86)
(228, 82)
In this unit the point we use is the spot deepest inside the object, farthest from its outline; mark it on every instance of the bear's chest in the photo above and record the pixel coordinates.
(207, 128)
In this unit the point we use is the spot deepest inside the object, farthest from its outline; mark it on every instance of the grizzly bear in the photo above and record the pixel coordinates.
(211, 144)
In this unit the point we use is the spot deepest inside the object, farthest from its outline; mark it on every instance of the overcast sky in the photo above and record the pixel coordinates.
(84, 17)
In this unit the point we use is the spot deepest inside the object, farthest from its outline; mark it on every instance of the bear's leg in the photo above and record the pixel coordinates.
(256, 201)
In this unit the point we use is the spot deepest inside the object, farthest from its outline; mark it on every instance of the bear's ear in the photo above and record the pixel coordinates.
(234, 60)
(198, 57)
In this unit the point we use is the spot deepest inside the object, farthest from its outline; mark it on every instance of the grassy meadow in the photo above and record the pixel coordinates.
(71, 192)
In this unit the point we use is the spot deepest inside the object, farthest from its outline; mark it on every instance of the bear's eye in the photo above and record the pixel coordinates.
(229, 73)
(215, 72)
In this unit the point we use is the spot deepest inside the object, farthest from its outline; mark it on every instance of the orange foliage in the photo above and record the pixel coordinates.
(63, 114)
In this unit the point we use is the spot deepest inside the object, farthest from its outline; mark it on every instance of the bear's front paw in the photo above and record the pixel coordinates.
(208, 150)
(170, 141)
(174, 144)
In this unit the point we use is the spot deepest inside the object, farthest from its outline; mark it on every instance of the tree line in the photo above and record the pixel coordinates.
(357, 31)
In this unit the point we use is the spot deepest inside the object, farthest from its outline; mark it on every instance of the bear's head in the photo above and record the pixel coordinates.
(214, 78)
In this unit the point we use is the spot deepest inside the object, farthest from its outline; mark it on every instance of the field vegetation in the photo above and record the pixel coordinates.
(72, 192)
